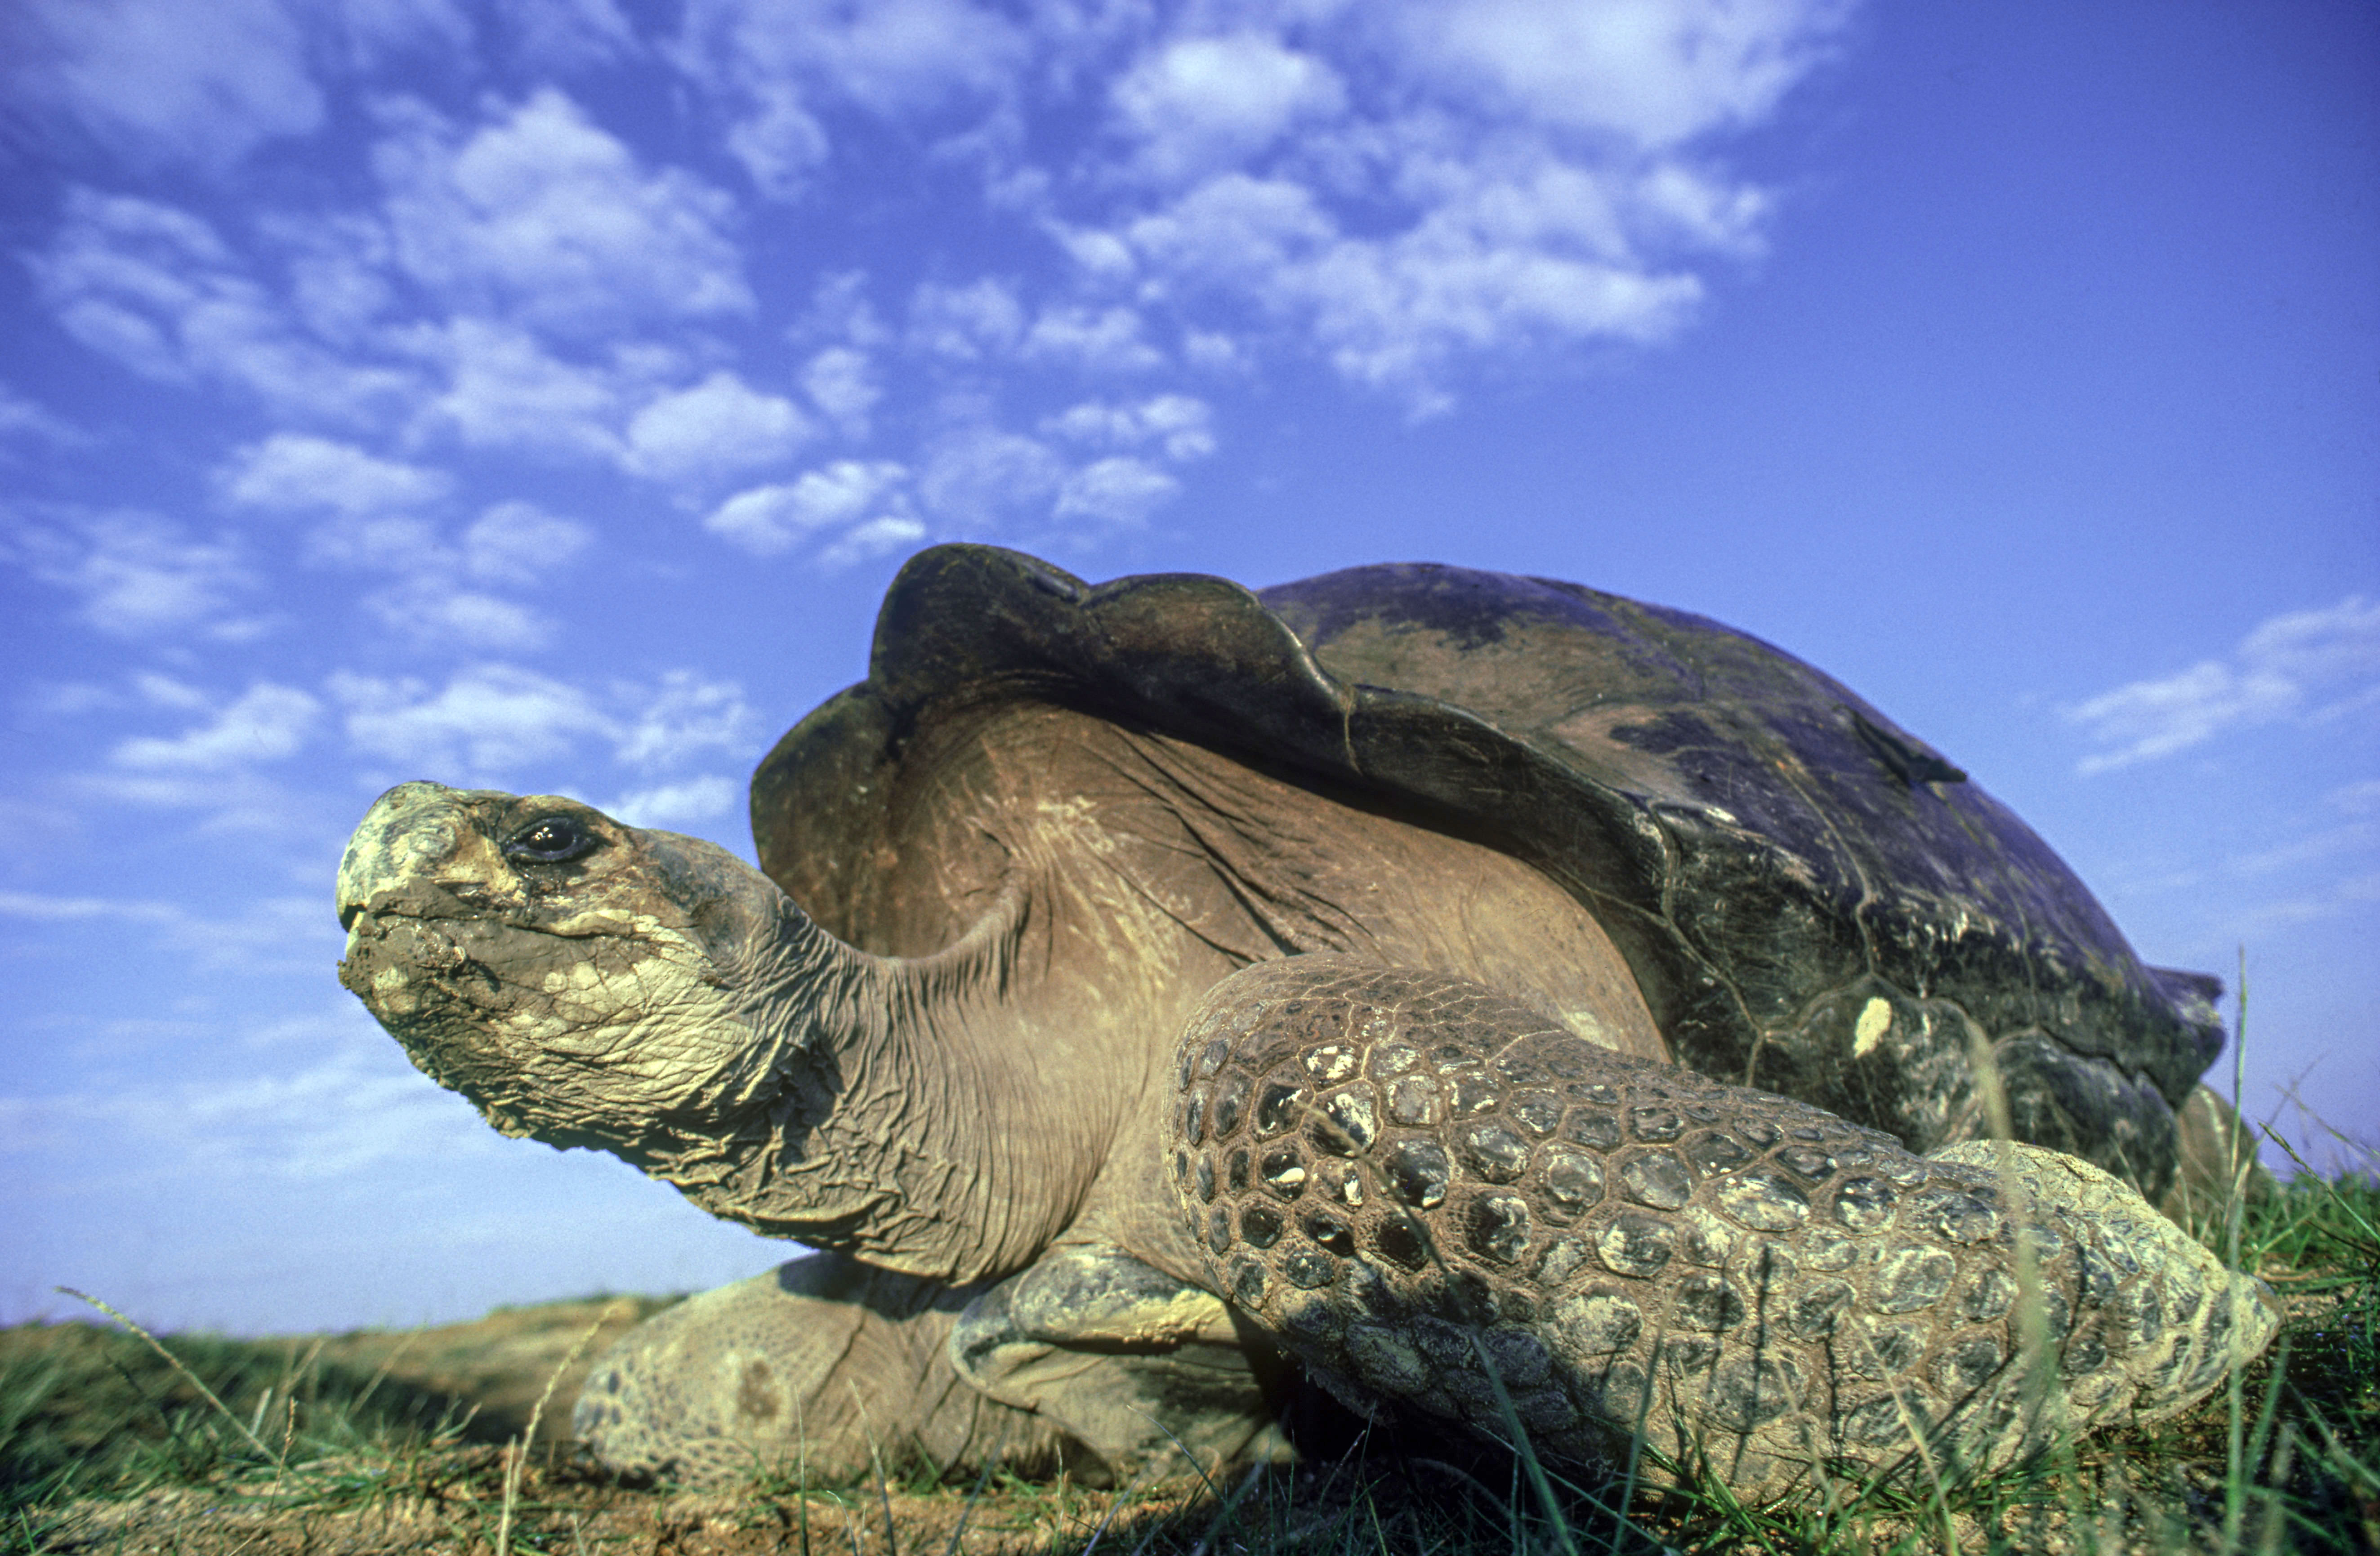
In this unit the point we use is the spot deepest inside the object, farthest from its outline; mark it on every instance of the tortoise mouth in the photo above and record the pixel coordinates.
(411, 972)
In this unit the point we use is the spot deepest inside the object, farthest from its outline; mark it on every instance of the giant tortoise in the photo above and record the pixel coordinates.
(1472, 996)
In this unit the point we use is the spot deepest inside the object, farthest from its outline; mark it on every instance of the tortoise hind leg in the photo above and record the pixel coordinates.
(1429, 1189)
(823, 1364)
(2217, 1161)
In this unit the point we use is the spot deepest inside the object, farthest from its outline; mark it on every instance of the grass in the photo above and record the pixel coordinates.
(106, 1444)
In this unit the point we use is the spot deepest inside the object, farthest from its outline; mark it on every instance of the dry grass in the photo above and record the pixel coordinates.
(347, 1444)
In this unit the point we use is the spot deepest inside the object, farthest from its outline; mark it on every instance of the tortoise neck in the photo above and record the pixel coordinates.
(915, 1125)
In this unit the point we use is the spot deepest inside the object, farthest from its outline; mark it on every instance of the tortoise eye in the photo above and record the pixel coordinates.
(551, 840)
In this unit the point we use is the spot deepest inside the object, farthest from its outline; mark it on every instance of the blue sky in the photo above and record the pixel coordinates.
(541, 394)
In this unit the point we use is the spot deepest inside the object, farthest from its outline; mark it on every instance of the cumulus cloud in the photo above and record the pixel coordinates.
(770, 520)
(1120, 489)
(966, 323)
(160, 291)
(335, 1100)
(681, 804)
(138, 575)
(428, 594)
(974, 475)
(429, 611)
(429, 597)
(1098, 340)
(840, 380)
(268, 722)
(715, 430)
(291, 471)
(1179, 424)
(1402, 187)
(139, 75)
(684, 717)
(784, 63)
(504, 390)
(1397, 188)
(498, 720)
(2303, 666)
(543, 217)
(1501, 259)
(519, 542)
(488, 719)
(272, 933)
(51, 909)
(558, 35)
(1658, 71)
(878, 537)
(22, 420)
(1197, 106)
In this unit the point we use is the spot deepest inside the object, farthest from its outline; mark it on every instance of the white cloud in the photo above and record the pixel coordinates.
(330, 1103)
(60, 910)
(1497, 260)
(342, 283)
(138, 575)
(717, 429)
(430, 612)
(545, 218)
(840, 311)
(1119, 489)
(1179, 424)
(295, 471)
(781, 62)
(975, 476)
(490, 720)
(260, 934)
(157, 289)
(496, 722)
(267, 723)
(429, 599)
(966, 323)
(1657, 71)
(25, 419)
(684, 716)
(398, 543)
(557, 35)
(768, 520)
(521, 543)
(841, 382)
(2307, 665)
(164, 691)
(878, 537)
(1198, 105)
(504, 390)
(1406, 188)
(163, 81)
(1097, 340)
(676, 805)
(2359, 799)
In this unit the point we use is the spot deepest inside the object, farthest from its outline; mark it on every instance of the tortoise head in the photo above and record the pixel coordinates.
(582, 981)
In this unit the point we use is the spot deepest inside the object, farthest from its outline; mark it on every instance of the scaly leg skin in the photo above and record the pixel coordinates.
(1153, 1377)
(823, 1365)
(1411, 1179)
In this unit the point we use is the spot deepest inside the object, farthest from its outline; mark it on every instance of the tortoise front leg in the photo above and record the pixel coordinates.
(1433, 1195)
(1153, 1376)
(824, 1366)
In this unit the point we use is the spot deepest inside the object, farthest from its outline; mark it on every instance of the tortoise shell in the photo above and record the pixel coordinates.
(1813, 902)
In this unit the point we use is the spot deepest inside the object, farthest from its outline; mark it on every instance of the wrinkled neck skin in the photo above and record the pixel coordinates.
(912, 1126)
(660, 999)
